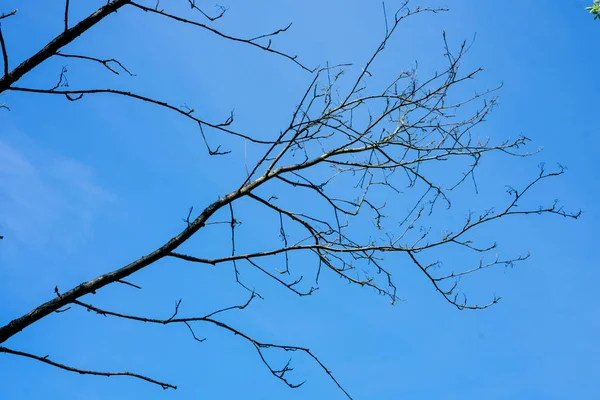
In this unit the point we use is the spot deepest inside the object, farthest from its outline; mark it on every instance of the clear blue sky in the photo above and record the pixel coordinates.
(88, 186)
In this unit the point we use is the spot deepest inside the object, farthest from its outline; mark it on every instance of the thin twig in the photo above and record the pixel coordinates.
(66, 15)
(129, 284)
(46, 360)
(105, 62)
(10, 14)
(4, 53)
(251, 41)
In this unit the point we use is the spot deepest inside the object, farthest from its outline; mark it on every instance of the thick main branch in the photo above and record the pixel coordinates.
(58, 43)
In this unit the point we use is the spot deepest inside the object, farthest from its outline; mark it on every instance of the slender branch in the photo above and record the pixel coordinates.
(222, 11)
(129, 284)
(75, 95)
(259, 345)
(4, 52)
(251, 41)
(10, 14)
(106, 62)
(46, 360)
(66, 15)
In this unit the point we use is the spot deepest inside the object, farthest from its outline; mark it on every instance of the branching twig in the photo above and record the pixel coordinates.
(105, 62)
(74, 95)
(222, 11)
(280, 374)
(251, 41)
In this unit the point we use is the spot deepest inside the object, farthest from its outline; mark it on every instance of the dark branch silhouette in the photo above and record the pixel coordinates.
(4, 52)
(46, 360)
(6, 15)
(350, 150)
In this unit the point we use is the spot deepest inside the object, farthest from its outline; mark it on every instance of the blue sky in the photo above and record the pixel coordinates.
(88, 186)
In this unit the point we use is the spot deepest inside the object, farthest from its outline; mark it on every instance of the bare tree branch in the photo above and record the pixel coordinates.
(66, 15)
(221, 11)
(4, 53)
(10, 14)
(46, 360)
(74, 95)
(252, 41)
(349, 151)
(260, 346)
(129, 284)
(107, 63)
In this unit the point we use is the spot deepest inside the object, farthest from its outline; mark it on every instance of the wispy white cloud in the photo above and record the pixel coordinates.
(45, 198)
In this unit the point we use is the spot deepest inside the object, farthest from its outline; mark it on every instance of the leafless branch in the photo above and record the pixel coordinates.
(46, 360)
(10, 14)
(74, 95)
(251, 42)
(369, 163)
(66, 15)
(107, 63)
(4, 52)
(129, 284)
(260, 346)
(221, 11)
